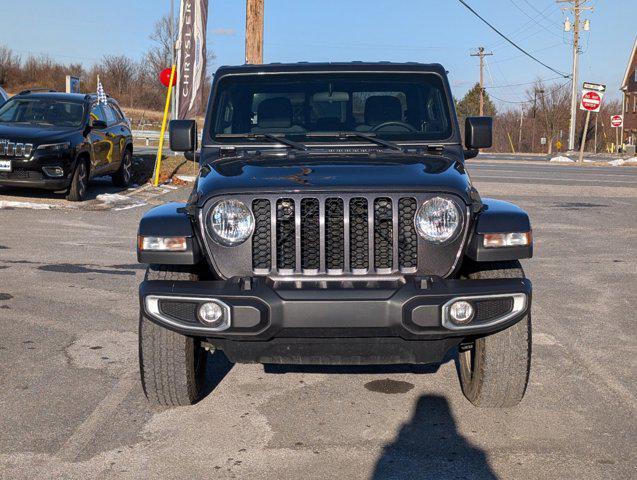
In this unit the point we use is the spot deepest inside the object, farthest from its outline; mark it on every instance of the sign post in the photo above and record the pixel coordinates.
(617, 122)
(592, 94)
(170, 84)
(72, 84)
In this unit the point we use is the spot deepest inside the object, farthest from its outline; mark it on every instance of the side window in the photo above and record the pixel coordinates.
(111, 117)
(97, 113)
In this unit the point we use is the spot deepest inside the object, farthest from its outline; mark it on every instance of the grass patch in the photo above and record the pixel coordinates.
(171, 165)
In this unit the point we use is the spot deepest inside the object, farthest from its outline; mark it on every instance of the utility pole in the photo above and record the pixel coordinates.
(535, 92)
(520, 132)
(481, 53)
(254, 31)
(578, 6)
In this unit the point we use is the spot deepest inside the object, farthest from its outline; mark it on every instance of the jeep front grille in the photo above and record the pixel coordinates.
(334, 235)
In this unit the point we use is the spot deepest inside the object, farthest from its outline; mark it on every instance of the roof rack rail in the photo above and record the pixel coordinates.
(31, 90)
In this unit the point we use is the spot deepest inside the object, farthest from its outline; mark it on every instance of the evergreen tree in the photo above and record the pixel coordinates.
(469, 106)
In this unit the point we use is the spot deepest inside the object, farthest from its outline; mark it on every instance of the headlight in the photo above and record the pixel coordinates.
(230, 223)
(438, 219)
(54, 147)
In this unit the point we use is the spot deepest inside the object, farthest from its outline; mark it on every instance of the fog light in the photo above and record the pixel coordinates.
(211, 314)
(53, 171)
(461, 312)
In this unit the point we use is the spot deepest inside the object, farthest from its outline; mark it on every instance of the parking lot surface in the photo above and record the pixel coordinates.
(72, 406)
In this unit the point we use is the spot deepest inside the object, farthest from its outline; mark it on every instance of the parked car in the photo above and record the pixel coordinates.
(59, 141)
(333, 222)
(4, 96)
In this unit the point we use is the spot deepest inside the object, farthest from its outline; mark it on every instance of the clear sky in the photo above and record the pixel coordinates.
(341, 30)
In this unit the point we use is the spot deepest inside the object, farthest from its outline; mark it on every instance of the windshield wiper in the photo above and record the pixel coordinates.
(267, 136)
(365, 136)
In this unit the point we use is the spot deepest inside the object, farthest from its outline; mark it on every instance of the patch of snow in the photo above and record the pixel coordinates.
(5, 204)
(186, 178)
(623, 161)
(119, 202)
(561, 159)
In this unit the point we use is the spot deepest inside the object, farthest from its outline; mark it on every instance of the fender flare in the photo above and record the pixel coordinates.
(498, 216)
(169, 220)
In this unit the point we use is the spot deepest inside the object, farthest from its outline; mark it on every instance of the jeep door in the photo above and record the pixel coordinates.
(99, 139)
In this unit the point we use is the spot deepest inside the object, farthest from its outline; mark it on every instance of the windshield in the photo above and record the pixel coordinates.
(43, 111)
(411, 106)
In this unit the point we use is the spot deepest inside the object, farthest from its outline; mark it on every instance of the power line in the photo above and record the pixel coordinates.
(511, 41)
(557, 89)
(534, 20)
(525, 83)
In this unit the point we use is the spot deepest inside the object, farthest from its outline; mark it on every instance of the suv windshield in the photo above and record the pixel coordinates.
(43, 111)
(404, 106)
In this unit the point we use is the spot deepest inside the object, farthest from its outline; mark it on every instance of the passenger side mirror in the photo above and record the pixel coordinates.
(478, 133)
(183, 135)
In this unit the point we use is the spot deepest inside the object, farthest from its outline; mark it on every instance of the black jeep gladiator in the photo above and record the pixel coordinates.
(333, 222)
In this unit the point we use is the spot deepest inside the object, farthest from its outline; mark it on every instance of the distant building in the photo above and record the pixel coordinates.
(629, 108)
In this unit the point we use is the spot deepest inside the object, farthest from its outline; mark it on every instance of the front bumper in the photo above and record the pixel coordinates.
(361, 321)
(32, 173)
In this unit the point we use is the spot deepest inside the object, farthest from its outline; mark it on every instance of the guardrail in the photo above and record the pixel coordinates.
(149, 135)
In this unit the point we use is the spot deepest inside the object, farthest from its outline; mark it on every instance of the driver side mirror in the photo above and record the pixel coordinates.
(99, 125)
(478, 133)
(183, 135)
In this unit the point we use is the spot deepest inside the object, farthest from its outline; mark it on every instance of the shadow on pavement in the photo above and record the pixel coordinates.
(430, 447)
(217, 367)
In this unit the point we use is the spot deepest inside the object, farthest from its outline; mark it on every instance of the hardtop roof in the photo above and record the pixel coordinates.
(331, 67)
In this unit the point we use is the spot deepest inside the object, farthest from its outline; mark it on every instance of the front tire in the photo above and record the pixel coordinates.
(495, 371)
(79, 183)
(172, 366)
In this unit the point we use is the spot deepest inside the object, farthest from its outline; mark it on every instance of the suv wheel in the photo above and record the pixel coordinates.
(123, 176)
(495, 371)
(172, 366)
(79, 183)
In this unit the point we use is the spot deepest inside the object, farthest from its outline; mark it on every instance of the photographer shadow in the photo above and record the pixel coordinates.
(430, 447)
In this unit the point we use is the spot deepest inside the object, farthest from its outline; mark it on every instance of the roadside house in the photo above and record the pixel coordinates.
(629, 104)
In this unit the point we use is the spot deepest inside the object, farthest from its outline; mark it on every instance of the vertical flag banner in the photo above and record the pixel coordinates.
(191, 57)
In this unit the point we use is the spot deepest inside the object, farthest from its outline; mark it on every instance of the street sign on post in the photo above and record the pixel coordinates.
(592, 94)
(616, 121)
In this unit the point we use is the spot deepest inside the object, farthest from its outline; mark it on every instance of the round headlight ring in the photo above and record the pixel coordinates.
(230, 222)
(438, 220)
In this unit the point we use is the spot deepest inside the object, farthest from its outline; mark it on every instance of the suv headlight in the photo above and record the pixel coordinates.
(230, 222)
(54, 147)
(438, 220)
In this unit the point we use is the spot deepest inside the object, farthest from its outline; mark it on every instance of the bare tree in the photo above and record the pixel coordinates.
(9, 65)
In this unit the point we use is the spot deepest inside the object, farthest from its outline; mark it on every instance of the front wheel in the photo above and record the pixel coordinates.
(79, 183)
(172, 366)
(495, 371)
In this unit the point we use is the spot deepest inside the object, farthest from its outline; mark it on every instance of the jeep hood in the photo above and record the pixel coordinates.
(313, 172)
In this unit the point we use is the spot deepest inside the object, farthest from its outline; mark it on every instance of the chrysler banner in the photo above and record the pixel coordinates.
(191, 57)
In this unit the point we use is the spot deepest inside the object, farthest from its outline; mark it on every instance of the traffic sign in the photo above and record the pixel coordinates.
(591, 101)
(616, 121)
(598, 87)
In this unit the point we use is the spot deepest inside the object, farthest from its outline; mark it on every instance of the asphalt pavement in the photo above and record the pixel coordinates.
(72, 406)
